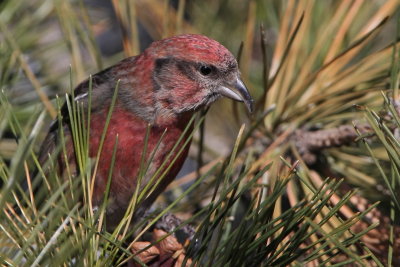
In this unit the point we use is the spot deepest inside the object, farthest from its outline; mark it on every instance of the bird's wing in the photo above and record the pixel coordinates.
(101, 91)
(99, 84)
(102, 85)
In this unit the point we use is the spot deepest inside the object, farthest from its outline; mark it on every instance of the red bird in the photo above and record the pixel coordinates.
(162, 87)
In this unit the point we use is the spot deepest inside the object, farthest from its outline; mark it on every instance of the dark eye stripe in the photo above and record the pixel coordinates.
(160, 62)
(186, 67)
(190, 69)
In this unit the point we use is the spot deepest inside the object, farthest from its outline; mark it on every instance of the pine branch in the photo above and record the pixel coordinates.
(310, 143)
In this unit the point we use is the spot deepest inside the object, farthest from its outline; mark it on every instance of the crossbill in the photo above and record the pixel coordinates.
(161, 89)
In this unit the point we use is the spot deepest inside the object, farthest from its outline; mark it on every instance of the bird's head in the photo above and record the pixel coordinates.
(192, 71)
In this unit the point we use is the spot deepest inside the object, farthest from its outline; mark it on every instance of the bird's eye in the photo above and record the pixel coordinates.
(205, 70)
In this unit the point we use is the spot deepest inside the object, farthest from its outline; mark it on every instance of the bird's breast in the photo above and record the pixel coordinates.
(126, 135)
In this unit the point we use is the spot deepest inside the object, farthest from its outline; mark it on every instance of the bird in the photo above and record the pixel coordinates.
(158, 92)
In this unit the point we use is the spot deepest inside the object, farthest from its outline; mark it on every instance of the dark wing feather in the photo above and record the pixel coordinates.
(100, 95)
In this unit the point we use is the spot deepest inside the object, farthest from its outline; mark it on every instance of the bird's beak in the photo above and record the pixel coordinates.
(236, 90)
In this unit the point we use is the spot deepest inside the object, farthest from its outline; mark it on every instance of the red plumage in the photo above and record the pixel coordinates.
(162, 87)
